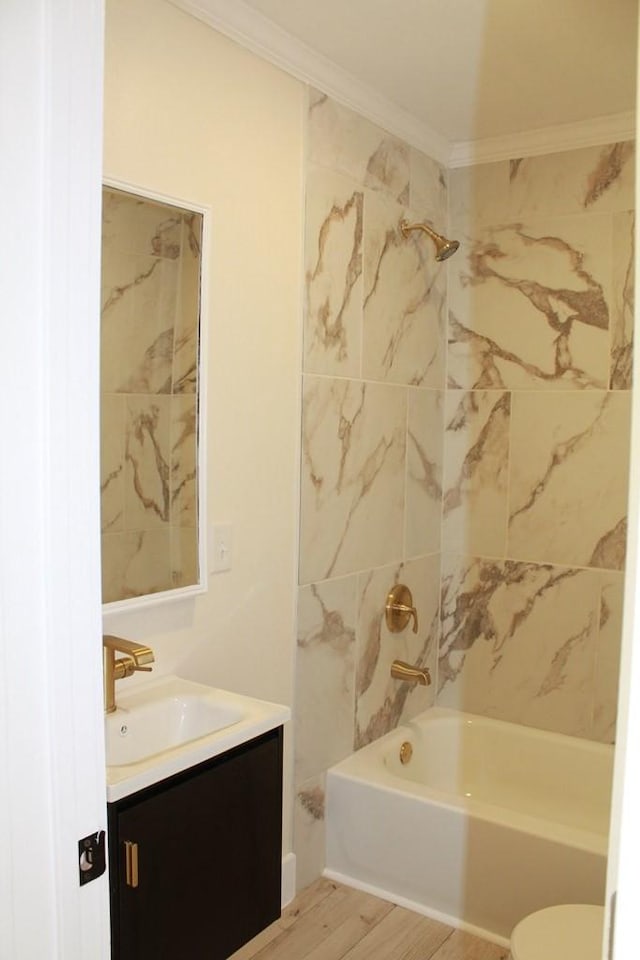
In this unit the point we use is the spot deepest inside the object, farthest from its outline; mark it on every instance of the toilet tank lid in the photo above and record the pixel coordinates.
(571, 932)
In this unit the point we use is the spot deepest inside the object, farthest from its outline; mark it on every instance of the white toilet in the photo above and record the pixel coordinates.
(568, 932)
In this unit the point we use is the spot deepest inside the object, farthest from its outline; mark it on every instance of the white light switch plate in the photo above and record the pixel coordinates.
(220, 547)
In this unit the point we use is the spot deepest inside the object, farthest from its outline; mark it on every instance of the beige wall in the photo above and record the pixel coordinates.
(193, 116)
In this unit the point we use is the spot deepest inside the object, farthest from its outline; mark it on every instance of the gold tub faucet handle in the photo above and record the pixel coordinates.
(399, 609)
(409, 611)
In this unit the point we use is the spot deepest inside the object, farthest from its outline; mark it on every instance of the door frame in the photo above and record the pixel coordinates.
(51, 715)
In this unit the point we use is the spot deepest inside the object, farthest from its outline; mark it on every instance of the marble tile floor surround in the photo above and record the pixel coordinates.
(328, 921)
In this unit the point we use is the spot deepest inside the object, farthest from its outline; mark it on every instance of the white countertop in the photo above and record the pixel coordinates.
(256, 717)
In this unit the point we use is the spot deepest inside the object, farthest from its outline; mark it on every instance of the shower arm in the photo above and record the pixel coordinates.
(444, 248)
(407, 227)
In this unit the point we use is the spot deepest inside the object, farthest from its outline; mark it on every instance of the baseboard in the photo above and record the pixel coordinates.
(415, 907)
(288, 878)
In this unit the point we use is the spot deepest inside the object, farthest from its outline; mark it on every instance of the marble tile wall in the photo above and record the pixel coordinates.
(536, 447)
(149, 353)
(372, 445)
(465, 431)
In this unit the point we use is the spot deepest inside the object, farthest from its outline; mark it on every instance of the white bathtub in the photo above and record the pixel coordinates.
(488, 822)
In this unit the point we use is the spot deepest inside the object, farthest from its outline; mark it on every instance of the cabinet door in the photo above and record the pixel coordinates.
(208, 858)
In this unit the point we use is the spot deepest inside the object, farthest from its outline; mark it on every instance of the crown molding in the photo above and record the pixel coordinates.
(252, 30)
(531, 143)
(240, 22)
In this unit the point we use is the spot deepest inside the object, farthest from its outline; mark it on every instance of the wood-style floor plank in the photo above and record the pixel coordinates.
(249, 951)
(328, 921)
(401, 935)
(315, 925)
(464, 946)
(340, 941)
(308, 898)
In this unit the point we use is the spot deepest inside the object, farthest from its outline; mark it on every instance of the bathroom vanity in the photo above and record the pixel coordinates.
(195, 856)
(195, 860)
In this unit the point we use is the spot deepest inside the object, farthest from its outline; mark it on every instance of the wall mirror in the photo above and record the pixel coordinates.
(151, 440)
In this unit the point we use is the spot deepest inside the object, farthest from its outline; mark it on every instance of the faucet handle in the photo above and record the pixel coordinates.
(399, 609)
(403, 609)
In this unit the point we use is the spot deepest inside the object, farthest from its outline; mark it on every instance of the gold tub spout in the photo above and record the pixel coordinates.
(404, 671)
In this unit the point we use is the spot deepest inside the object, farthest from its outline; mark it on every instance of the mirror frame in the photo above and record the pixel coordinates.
(202, 585)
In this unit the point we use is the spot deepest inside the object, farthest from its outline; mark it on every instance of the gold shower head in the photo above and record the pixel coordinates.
(444, 248)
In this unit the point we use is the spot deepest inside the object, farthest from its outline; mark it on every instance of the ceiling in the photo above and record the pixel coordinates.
(476, 69)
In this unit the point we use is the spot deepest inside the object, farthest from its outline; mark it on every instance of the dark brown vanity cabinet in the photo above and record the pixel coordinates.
(195, 860)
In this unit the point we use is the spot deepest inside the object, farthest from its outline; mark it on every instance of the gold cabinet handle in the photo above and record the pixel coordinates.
(131, 863)
(399, 609)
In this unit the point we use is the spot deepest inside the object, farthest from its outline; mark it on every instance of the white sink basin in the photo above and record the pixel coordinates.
(169, 724)
(151, 728)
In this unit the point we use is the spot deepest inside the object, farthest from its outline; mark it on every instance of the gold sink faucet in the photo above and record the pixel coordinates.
(136, 655)
(404, 671)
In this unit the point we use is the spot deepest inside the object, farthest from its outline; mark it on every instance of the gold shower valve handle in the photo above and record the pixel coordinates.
(410, 611)
(399, 609)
